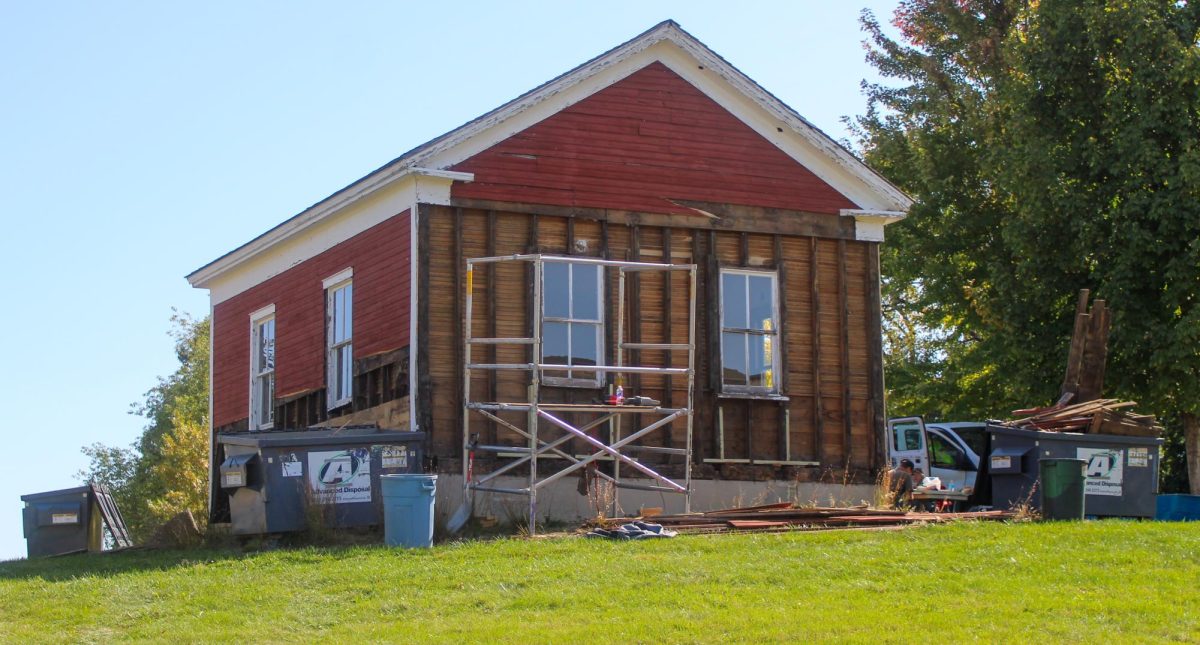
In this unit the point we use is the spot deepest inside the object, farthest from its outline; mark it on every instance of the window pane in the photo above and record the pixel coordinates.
(348, 328)
(585, 344)
(586, 294)
(344, 364)
(266, 392)
(266, 346)
(733, 356)
(760, 361)
(339, 315)
(555, 289)
(762, 302)
(554, 344)
(733, 300)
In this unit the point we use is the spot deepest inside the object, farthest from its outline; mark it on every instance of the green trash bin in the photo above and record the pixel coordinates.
(1062, 488)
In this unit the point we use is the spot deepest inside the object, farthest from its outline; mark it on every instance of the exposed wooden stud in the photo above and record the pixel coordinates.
(667, 381)
(424, 394)
(844, 359)
(781, 338)
(814, 290)
(744, 250)
(749, 428)
(570, 236)
(635, 315)
(459, 295)
(703, 405)
(874, 315)
(493, 315)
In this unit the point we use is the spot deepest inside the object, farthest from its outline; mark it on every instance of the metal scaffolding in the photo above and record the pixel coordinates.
(537, 446)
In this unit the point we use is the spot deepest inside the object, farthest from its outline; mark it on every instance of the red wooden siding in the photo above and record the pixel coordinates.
(635, 145)
(380, 257)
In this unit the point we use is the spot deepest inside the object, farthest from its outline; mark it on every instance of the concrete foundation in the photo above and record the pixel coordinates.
(561, 501)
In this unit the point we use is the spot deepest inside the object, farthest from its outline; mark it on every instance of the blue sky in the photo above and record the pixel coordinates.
(140, 140)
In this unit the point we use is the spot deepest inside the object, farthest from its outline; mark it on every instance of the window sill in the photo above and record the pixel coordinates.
(755, 396)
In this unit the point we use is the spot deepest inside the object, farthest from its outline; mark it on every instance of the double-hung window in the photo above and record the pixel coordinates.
(339, 335)
(749, 332)
(572, 321)
(262, 368)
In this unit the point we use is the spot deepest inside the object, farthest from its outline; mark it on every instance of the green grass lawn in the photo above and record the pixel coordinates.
(1096, 581)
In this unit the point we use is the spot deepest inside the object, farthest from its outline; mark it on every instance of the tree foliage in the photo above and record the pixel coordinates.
(1051, 146)
(166, 470)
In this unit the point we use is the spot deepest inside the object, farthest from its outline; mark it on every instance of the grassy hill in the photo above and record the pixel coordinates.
(1095, 581)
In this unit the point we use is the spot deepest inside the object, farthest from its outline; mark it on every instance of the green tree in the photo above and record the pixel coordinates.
(166, 470)
(1051, 146)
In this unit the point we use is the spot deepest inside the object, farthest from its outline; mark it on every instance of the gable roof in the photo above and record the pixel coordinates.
(666, 42)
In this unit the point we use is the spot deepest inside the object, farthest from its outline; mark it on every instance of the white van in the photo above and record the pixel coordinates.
(949, 451)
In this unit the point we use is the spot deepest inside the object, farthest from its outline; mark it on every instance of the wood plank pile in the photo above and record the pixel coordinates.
(786, 516)
(1079, 407)
(1101, 416)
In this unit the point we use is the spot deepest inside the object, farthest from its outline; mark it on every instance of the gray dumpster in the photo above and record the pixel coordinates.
(280, 481)
(72, 520)
(1121, 472)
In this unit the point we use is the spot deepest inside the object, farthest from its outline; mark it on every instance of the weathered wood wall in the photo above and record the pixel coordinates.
(829, 310)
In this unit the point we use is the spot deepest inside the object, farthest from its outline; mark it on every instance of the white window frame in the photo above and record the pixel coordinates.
(773, 336)
(257, 320)
(554, 378)
(341, 280)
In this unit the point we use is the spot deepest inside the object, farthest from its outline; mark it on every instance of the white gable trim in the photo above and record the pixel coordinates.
(420, 176)
(321, 228)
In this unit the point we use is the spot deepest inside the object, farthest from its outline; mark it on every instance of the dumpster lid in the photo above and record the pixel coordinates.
(239, 460)
(340, 436)
(1011, 452)
(993, 427)
(33, 497)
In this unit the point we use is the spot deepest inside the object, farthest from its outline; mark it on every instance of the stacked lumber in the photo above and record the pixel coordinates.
(1100, 416)
(1079, 407)
(1084, 378)
(786, 516)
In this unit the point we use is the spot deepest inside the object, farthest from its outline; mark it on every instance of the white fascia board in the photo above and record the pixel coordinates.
(868, 224)
(265, 258)
(432, 184)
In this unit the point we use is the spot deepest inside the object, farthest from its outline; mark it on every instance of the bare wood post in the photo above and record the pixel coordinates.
(535, 393)
(814, 293)
(781, 341)
(493, 350)
(877, 402)
(687, 468)
(844, 324)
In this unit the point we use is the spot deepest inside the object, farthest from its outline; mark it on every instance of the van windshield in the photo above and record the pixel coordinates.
(975, 438)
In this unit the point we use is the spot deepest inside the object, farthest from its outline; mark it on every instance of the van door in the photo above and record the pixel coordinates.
(949, 461)
(906, 440)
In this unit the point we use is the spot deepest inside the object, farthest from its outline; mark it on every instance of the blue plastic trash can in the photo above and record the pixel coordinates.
(408, 509)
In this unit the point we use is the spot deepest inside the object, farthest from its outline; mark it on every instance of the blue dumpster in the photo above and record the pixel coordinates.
(408, 509)
(1178, 508)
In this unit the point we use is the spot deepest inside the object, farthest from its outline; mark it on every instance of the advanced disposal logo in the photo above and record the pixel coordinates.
(340, 476)
(1104, 470)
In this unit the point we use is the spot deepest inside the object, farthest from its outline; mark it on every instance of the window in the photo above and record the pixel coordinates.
(339, 334)
(749, 332)
(262, 368)
(906, 437)
(943, 454)
(572, 321)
